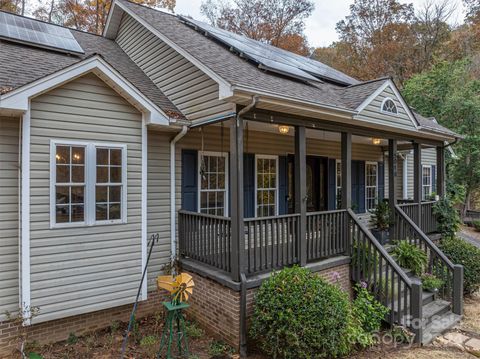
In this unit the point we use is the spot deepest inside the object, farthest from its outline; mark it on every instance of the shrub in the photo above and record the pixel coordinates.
(466, 254)
(218, 348)
(410, 257)
(367, 310)
(299, 315)
(431, 282)
(476, 225)
(382, 216)
(447, 217)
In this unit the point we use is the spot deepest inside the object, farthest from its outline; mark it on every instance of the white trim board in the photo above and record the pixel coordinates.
(144, 205)
(19, 98)
(389, 83)
(25, 291)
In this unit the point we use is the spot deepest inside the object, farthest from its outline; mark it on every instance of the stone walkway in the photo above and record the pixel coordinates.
(459, 340)
(470, 235)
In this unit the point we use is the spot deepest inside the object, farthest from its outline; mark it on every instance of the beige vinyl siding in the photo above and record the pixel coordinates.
(191, 90)
(9, 218)
(429, 157)
(398, 179)
(158, 213)
(373, 112)
(265, 143)
(83, 269)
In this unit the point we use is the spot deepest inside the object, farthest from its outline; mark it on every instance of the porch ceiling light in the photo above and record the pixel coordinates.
(376, 141)
(283, 129)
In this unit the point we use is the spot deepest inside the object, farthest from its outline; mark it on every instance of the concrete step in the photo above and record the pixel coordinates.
(431, 311)
(439, 326)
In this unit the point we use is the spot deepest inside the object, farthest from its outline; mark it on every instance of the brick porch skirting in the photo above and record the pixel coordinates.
(58, 330)
(216, 307)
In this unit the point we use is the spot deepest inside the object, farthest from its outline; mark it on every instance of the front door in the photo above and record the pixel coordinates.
(316, 184)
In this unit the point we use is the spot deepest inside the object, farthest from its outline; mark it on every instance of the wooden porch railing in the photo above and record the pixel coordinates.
(373, 266)
(205, 238)
(438, 264)
(271, 242)
(326, 234)
(428, 220)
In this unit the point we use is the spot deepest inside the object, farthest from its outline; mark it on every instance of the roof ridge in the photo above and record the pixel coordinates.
(151, 8)
(370, 81)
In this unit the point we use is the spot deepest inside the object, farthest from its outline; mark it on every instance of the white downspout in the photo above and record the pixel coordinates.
(173, 219)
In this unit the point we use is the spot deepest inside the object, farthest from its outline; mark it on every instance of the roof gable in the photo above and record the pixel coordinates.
(371, 109)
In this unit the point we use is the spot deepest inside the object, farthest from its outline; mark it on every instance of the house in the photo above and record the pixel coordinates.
(244, 158)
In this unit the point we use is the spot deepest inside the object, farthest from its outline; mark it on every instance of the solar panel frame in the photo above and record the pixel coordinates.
(32, 32)
(272, 58)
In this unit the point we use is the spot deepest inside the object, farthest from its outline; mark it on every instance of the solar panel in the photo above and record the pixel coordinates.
(30, 31)
(272, 58)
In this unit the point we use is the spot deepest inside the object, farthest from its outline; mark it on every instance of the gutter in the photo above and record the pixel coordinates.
(173, 223)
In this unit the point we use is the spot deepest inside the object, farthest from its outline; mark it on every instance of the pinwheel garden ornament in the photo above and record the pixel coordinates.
(180, 289)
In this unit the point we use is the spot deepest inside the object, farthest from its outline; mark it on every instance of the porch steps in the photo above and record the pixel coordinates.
(437, 315)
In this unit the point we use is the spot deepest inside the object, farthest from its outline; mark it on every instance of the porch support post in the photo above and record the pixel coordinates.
(392, 175)
(301, 191)
(441, 177)
(236, 182)
(417, 180)
(346, 170)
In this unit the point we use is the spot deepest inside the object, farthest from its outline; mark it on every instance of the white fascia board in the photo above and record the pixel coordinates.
(19, 99)
(391, 84)
(224, 87)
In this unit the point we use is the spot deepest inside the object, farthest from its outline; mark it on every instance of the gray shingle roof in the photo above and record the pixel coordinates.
(431, 124)
(354, 95)
(23, 64)
(231, 67)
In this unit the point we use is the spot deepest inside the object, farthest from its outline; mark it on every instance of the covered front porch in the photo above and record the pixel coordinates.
(264, 191)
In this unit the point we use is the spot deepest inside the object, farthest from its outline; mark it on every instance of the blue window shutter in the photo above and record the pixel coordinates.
(189, 180)
(361, 182)
(249, 185)
(434, 179)
(282, 185)
(332, 186)
(355, 190)
(381, 181)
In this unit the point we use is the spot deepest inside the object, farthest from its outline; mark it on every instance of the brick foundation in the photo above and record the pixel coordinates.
(214, 306)
(217, 307)
(58, 330)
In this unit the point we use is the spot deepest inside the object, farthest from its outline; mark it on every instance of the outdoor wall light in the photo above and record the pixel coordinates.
(376, 141)
(283, 129)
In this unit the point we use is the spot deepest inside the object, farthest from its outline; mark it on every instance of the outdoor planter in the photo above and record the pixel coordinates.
(382, 235)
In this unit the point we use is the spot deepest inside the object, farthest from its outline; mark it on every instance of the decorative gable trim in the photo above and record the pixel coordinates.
(389, 83)
(19, 99)
(111, 28)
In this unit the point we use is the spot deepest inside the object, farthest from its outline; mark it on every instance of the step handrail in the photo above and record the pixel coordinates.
(380, 249)
(425, 238)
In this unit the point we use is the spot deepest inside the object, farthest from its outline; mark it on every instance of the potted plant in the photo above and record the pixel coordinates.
(381, 220)
(431, 283)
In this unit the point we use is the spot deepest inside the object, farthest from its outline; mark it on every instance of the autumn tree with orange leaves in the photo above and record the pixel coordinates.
(277, 22)
(86, 15)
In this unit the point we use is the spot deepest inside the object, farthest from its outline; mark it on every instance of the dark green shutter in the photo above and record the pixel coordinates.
(249, 185)
(189, 180)
(381, 181)
(332, 185)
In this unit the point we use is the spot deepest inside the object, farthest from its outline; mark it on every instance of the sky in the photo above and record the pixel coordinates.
(320, 27)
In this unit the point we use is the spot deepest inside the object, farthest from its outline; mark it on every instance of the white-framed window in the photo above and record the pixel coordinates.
(338, 183)
(388, 106)
(213, 183)
(266, 185)
(371, 185)
(426, 182)
(88, 183)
